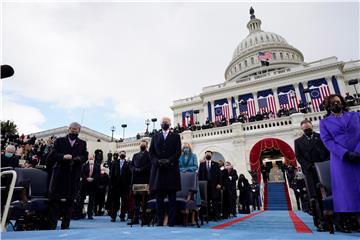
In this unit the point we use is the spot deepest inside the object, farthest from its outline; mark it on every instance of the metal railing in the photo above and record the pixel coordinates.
(9, 197)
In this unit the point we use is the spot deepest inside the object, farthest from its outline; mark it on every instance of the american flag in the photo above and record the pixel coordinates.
(265, 56)
(318, 93)
(287, 97)
(190, 113)
(222, 110)
(249, 107)
(266, 101)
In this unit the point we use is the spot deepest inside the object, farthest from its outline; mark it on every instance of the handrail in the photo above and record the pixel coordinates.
(9, 197)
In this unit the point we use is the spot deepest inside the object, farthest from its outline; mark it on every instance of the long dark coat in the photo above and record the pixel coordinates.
(307, 153)
(65, 178)
(90, 187)
(140, 167)
(120, 180)
(165, 177)
(214, 179)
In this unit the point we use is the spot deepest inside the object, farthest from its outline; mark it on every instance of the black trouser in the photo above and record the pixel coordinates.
(232, 202)
(90, 207)
(100, 200)
(160, 206)
(59, 208)
(115, 204)
(311, 179)
(214, 200)
(297, 196)
(256, 202)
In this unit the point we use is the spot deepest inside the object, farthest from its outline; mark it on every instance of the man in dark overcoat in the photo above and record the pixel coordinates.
(68, 155)
(165, 150)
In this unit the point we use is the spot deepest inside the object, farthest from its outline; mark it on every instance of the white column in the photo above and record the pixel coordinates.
(341, 83)
(276, 99)
(206, 113)
(256, 101)
(230, 107)
(330, 84)
(212, 111)
(297, 91)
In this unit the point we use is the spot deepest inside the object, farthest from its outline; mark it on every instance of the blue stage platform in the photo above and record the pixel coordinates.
(264, 225)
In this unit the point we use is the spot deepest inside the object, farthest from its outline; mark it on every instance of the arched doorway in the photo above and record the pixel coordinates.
(270, 144)
(276, 193)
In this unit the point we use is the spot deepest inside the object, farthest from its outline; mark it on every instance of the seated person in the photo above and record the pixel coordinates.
(303, 107)
(223, 121)
(241, 118)
(259, 116)
(252, 119)
(350, 100)
(281, 112)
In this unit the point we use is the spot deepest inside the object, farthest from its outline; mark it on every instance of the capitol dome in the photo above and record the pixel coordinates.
(245, 61)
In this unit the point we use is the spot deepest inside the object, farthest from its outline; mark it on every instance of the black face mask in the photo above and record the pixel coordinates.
(165, 126)
(208, 157)
(336, 108)
(73, 136)
(308, 132)
(142, 148)
(122, 156)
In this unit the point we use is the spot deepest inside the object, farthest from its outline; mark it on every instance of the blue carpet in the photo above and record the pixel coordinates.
(267, 225)
(276, 198)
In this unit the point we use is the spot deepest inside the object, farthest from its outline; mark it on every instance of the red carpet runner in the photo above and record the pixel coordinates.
(299, 225)
(227, 224)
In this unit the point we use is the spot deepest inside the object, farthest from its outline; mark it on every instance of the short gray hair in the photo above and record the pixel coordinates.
(75, 125)
(10, 148)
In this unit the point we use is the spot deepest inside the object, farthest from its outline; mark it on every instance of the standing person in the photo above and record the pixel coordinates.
(101, 192)
(233, 177)
(225, 207)
(165, 150)
(310, 149)
(120, 177)
(340, 131)
(210, 171)
(245, 194)
(68, 155)
(140, 167)
(90, 174)
(188, 163)
(255, 195)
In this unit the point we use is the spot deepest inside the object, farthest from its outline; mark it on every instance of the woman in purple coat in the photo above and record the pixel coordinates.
(340, 132)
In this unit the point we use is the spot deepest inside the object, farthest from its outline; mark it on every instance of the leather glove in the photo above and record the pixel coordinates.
(163, 162)
(352, 156)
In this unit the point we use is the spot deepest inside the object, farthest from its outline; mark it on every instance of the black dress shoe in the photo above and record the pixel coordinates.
(112, 220)
(342, 229)
(319, 229)
(159, 225)
(90, 218)
(122, 219)
(133, 222)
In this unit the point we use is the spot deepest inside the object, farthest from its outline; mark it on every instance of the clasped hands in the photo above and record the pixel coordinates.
(352, 156)
(163, 162)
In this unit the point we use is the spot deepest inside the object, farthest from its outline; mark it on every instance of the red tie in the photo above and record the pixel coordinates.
(91, 169)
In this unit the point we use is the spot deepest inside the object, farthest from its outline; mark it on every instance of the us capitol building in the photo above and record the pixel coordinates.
(260, 87)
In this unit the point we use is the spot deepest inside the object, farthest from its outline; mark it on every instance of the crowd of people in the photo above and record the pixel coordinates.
(76, 175)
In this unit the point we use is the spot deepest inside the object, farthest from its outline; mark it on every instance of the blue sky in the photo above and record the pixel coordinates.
(126, 62)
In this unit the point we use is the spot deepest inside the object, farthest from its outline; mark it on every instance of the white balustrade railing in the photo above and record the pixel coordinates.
(238, 129)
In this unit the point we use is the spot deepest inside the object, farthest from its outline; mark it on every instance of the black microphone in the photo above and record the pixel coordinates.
(6, 71)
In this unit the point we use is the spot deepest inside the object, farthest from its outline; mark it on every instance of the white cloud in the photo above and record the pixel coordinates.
(27, 118)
